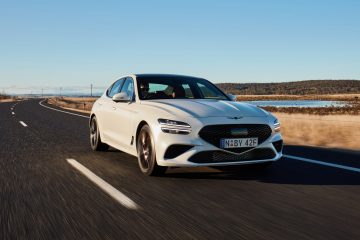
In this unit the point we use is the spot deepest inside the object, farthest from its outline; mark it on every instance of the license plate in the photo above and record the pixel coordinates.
(238, 142)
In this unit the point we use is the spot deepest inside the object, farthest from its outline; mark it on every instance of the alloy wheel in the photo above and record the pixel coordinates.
(145, 150)
(93, 133)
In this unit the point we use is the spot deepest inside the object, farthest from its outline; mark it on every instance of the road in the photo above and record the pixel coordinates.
(43, 196)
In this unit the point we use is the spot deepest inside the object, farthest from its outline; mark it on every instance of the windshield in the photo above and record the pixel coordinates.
(176, 87)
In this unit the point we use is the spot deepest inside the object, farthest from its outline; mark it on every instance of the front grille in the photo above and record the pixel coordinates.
(213, 133)
(222, 157)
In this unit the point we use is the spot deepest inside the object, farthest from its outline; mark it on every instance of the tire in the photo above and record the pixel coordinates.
(95, 140)
(146, 153)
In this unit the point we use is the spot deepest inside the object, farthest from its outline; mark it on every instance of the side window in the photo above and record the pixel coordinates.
(128, 87)
(157, 87)
(115, 88)
(188, 92)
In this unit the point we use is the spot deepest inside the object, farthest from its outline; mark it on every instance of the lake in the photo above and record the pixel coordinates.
(298, 103)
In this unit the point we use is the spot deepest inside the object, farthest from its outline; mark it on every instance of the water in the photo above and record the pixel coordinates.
(298, 103)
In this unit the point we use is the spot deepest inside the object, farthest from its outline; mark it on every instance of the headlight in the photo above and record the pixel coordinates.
(174, 127)
(277, 125)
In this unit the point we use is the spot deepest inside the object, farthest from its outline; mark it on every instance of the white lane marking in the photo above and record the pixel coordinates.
(323, 163)
(113, 192)
(62, 111)
(22, 123)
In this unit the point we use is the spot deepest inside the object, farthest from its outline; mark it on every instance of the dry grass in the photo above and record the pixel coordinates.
(78, 104)
(7, 98)
(337, 131)
(353, 109)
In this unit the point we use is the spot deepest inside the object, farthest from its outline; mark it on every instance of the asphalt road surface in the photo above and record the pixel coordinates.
(52, 186)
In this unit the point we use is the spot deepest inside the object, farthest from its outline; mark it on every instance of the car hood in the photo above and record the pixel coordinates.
(199, 108)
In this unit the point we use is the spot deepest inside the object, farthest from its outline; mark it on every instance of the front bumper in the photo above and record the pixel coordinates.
(203, 153)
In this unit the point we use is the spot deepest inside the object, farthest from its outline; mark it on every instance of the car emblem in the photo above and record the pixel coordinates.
(236, 118)
(239, 132)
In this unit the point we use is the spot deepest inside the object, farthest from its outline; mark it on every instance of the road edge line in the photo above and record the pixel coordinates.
(40, 103)
(323, 163)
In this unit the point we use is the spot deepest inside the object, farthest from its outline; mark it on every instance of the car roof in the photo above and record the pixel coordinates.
(156, 75)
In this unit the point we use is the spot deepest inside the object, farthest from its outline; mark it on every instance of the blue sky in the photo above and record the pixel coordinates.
(64, 43)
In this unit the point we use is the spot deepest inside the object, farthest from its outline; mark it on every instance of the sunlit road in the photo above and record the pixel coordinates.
(52, 186)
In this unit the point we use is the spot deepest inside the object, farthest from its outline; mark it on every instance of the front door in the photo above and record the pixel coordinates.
(123, 118)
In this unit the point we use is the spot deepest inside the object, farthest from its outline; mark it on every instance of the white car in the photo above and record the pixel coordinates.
(181, 121)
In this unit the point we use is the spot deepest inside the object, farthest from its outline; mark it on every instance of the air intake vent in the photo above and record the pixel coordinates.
(176, 150)
(278, 145)
(222, 157)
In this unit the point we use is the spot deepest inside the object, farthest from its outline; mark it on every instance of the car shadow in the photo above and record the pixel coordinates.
(284, 171)
(281, 172)
(333, 150)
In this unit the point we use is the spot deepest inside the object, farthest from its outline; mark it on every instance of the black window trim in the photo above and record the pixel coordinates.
(112, 85)
(133, 99)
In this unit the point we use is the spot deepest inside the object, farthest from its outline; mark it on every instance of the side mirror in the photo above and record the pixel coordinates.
(121, 97)
(232, 97)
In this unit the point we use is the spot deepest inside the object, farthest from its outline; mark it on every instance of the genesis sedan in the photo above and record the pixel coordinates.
(182, 121)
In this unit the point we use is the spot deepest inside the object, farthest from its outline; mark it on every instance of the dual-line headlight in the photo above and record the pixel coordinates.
(276, 125)
(174, 127)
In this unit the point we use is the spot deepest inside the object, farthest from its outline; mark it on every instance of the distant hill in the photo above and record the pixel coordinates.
(293, 88)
